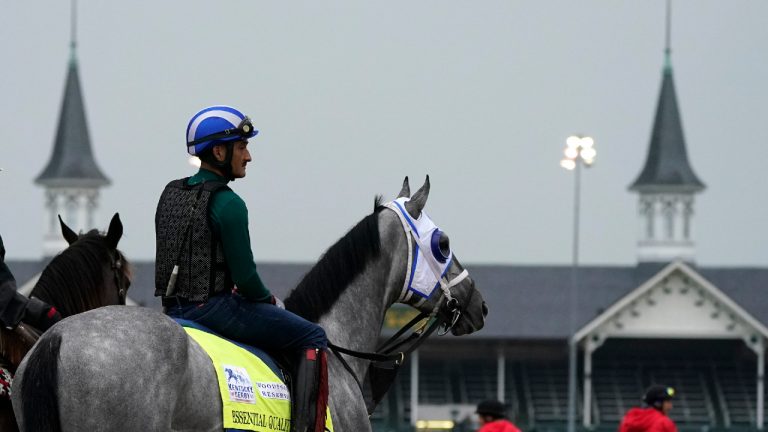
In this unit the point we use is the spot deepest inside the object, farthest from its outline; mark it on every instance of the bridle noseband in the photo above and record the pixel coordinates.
(451, 303)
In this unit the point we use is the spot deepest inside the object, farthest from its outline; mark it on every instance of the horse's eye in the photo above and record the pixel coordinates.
(441, 246)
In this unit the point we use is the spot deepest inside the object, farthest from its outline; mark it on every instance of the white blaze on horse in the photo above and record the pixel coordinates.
(134, 369)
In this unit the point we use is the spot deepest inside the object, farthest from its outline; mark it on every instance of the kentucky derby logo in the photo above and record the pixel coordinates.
(239, 384)
(273, 390)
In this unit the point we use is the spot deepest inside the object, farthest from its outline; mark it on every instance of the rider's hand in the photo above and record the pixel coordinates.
(277, 302)
(40, 315)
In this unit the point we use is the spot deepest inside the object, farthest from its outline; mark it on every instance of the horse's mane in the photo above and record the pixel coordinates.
(72, 281)
(340, 264)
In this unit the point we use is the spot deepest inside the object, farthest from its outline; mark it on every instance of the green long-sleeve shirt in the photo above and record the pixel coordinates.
(229, 218)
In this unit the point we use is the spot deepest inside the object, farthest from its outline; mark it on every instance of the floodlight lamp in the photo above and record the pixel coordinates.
(568, 164)
(571, 152)
(587, 142)
(194, 161)
(588, 153)
(572, 141)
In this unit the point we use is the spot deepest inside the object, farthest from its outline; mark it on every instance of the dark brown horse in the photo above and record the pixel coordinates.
(88, 274)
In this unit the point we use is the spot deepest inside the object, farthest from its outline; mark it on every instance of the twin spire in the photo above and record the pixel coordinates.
(666, 167)
(71, 178)
(667, 183)
(72, 163)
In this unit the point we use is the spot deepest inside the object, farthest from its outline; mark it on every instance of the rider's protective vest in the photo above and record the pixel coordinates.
(185, 236)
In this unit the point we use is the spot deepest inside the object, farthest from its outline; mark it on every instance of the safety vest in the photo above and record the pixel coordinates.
(184, 236)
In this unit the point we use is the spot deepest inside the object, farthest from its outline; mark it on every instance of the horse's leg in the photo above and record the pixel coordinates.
(347, 413)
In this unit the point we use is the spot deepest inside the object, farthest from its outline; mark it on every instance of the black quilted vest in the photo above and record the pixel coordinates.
(184, 235)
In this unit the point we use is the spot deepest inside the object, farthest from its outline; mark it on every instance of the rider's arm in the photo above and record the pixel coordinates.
(14, 307)
(230, 218)
(11, 309)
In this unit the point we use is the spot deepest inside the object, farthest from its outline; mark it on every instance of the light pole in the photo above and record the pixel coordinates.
(579, 150)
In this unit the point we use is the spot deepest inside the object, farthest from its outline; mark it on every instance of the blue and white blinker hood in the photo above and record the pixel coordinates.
(426, 268)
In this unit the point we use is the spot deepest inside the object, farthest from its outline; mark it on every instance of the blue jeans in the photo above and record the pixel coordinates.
(259, 324)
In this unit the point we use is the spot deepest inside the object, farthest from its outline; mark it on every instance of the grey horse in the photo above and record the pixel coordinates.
(134, 369)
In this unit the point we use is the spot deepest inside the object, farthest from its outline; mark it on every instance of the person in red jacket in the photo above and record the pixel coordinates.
(492, 417)
(654, 417)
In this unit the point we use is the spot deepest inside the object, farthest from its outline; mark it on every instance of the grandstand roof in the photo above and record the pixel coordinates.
(525, 302)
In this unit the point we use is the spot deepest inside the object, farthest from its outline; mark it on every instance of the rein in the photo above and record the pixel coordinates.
(384, 353)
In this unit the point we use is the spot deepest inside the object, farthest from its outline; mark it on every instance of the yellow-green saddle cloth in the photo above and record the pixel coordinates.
(254, 396)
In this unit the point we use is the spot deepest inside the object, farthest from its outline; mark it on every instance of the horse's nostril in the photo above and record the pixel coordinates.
(485, 310)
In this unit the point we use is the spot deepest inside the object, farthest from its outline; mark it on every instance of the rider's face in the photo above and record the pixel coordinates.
(240, 158)
(666, 406)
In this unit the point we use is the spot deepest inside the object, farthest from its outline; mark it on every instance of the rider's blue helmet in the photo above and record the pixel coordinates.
(216, 124)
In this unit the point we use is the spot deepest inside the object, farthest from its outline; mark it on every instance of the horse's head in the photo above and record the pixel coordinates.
(435, 282)
(116, 270)
(90, 273)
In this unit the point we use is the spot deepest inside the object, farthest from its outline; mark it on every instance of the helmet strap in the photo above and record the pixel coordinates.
(226, 165)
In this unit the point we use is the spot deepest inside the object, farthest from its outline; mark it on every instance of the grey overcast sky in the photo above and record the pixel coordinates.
(350, 96)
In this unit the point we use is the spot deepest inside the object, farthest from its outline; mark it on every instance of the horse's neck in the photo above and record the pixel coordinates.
(355, 320)
(88, 295)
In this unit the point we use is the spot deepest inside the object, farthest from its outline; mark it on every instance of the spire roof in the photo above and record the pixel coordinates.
(667, 168)
(72, 163)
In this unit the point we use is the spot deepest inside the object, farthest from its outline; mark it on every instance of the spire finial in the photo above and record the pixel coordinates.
(667, 39)
(73, 33)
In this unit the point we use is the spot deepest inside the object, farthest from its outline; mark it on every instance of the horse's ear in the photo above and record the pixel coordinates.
(418, 200)
(115, 231)
(405, 192)
(67, 232)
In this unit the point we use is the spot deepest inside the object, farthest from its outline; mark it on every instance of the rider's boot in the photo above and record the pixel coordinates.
(311, 398)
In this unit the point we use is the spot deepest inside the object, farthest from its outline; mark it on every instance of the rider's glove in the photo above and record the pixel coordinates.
(277, 302)
(40, 315)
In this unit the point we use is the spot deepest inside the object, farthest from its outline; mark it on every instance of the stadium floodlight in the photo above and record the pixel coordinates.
(579, 150)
